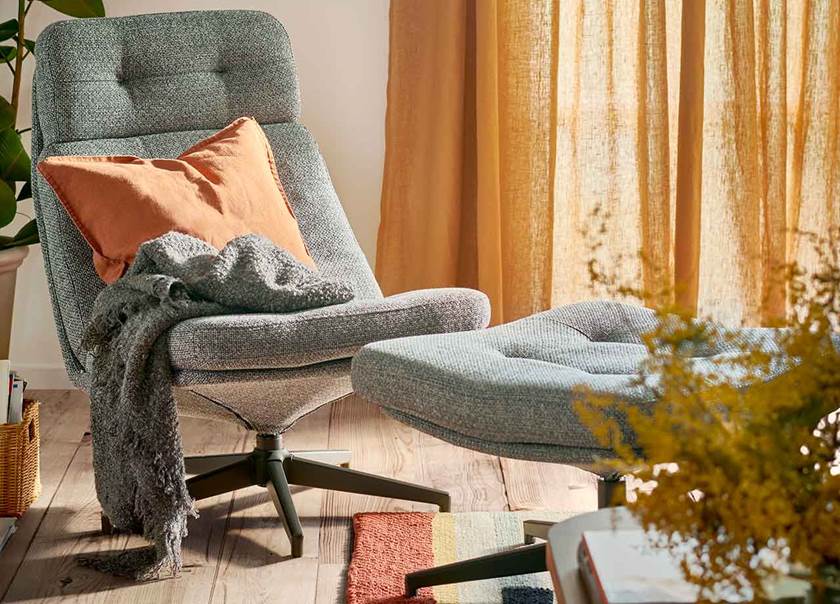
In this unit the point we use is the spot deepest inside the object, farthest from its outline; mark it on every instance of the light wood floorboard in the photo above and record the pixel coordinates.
(63, 422)
(237, 550)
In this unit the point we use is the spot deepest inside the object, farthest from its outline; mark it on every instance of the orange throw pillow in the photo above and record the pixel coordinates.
(224, 186)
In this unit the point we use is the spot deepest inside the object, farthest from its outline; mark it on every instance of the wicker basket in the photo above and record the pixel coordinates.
(20, 473)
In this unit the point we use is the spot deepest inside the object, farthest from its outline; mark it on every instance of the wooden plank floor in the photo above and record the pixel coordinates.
(237, 551)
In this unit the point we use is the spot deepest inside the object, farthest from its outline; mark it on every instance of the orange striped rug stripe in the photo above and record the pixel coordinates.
(386, 546)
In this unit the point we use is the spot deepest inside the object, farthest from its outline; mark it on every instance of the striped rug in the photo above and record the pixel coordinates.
(388, 545)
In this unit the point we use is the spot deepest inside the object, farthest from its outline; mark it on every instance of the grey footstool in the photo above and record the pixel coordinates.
(509, 391)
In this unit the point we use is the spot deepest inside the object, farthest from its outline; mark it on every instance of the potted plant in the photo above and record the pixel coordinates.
(15, 165)
(744, 454)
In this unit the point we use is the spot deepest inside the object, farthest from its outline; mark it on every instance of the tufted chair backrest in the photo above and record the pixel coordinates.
(151, 86)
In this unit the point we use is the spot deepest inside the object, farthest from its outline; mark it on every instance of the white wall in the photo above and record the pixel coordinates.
(341, 49)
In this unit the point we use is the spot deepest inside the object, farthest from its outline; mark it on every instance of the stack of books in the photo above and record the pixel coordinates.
(11, 397)
(11, 412)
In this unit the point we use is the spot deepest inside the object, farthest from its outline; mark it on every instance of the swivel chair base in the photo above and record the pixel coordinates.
(522, 560)
(272, 466)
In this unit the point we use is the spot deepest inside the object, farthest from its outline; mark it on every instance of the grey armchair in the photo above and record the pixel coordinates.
(152, 86)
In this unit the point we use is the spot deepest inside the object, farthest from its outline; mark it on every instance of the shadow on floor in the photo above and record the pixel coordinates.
(213, 535)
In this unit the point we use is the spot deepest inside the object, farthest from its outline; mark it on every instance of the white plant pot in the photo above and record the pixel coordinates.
(10, 260)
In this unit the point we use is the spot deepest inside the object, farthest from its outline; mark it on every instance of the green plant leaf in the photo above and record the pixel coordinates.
(27, 232)
(14, 161)
(8, 204)
(8, 29)
(7, 53)
(7, 114)
(18, 243)
(77, 8)
(25, 191)
(27, 235)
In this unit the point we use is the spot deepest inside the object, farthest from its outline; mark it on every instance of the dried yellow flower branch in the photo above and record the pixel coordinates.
(755, 439)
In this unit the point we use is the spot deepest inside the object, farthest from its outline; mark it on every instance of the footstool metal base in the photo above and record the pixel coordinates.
(518, 561)
(522, 560)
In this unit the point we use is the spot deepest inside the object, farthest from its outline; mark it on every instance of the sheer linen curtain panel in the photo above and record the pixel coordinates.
(705, 134)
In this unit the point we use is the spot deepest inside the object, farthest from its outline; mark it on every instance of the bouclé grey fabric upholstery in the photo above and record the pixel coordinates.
(152, 86)
(266, 341)
(257, 399)
(137, 456)
(102, 78)
(305, 179)
(509, 390)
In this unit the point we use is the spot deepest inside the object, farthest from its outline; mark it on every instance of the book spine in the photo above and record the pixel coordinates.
(5, 390)
(586, 568)
(16, 401)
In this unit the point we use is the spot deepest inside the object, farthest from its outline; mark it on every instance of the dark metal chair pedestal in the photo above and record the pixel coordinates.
(521, 560)
(272, 466)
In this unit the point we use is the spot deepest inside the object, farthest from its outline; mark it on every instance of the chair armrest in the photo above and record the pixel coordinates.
(439, 310)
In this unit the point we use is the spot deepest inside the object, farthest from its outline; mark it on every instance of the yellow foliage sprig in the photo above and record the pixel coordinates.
(751, 437)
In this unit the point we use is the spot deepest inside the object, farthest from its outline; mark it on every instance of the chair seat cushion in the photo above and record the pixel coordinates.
(510, 390)
(273, 341)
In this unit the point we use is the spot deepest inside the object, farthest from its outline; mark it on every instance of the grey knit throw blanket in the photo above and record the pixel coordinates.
(137, 457)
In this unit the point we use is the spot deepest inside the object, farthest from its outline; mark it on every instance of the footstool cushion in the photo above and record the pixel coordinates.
(509, 390)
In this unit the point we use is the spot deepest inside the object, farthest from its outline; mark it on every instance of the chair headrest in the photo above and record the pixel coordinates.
(148, 74)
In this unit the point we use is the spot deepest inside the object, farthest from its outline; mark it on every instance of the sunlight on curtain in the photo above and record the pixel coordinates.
(469, 154)
(812, 182)
(766, 149)
(613, 144)
(705, 131)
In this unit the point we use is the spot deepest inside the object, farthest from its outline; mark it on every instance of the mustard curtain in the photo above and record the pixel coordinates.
(701, 134)
(467, 194)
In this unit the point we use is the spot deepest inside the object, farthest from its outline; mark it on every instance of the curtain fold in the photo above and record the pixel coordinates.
(689, 145)
(469, 168)
(424, 241)
(691, 140)
(771, 86)
(613, 157)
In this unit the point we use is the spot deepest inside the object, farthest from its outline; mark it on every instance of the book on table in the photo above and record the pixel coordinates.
(624, 567)
(621, 567)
